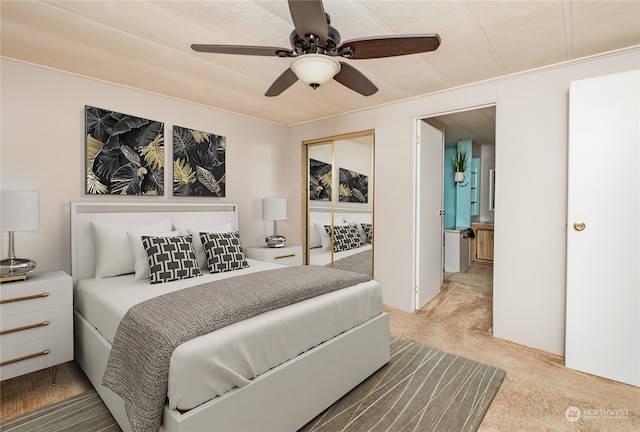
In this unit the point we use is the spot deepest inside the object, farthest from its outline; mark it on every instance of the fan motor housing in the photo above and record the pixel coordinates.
(308, 45)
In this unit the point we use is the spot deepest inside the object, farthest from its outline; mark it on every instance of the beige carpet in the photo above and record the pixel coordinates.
(534, 396)
(537, 390)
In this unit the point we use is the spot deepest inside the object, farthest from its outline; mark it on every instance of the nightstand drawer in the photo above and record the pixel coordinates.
(33, 326)
(36, 355)
(287, 255)
(288, 259)
(36, 323)
(40, 291)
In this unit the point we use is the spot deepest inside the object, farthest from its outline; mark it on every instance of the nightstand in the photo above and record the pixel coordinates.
(36, 323)
(286, 255)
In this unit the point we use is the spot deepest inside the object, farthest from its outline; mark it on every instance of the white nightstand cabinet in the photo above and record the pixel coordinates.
(286, 255)
(36, 323)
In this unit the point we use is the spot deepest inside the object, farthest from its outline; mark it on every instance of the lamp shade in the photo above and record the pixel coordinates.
(315, 69)
(19, 210)
(274, 209)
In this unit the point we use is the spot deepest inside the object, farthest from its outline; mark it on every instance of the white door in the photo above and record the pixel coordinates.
(603, 238)
(429, 178)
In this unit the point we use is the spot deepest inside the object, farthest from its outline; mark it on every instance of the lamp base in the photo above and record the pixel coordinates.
(275, 241)
(16, 266)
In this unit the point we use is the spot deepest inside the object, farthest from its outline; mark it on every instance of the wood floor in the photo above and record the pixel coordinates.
(536, 394)
(31, 392)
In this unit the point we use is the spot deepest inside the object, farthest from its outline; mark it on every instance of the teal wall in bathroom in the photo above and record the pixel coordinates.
(449, 190)
(460, 199)
(463, 191)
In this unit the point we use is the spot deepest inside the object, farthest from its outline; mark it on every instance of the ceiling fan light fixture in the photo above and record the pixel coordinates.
(315, 69)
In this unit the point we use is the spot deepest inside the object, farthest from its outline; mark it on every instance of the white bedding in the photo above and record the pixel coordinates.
(321, 257)
(212, 364)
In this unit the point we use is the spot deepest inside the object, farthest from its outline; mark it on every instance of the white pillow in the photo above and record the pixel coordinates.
(315, 236)
(201, 255)
(140, 258)
(325, 239)
(113, 252)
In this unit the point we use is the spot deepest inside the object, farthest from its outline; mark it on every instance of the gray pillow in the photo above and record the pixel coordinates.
(170, 258)
(223, 251)
(345, 237)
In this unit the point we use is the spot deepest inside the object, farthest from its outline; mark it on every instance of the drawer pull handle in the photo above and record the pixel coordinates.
(27, 357)
(31, 297)
(284, 256)
(27, 327)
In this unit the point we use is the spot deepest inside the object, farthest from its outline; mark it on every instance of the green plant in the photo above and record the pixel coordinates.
(459, 160)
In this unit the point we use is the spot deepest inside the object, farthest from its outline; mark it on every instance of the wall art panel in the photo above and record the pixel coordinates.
(198, 163)
(124, 154)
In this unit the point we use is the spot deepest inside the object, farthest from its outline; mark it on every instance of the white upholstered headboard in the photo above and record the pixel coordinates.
(83, 250)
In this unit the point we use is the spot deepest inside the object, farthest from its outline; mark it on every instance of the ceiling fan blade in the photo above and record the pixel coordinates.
(390, 46)
(243, 50)
(354, 79)
(309, 18)
(283, 82)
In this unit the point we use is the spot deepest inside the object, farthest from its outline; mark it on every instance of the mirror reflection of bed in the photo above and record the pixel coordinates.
(339, 216)
(357, 256)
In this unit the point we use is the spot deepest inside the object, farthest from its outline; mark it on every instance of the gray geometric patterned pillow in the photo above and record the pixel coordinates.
(170, 258)
(223, 251)
(368, 230)
(345, 237)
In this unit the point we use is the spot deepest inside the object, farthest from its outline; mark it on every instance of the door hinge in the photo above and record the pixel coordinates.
(415, 289)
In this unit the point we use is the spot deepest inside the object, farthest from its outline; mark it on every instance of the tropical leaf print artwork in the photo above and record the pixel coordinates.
(198, 163)
(354, 187)
(124, 154)
(319, 180)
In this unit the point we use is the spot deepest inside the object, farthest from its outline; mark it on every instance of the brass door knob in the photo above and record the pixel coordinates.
(579, 226)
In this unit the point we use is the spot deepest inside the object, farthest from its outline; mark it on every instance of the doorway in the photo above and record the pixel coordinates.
(477, 126)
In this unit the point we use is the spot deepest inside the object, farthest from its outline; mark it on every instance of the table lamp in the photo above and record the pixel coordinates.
(19, 211)
(274, 209)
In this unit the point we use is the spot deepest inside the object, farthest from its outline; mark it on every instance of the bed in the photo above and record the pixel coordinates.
(303, 356)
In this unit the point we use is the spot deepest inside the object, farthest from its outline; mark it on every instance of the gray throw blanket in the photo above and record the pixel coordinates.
(359, 262)
(138, 366)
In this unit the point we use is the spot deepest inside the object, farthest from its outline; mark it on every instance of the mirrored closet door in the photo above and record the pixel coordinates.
(338, 185)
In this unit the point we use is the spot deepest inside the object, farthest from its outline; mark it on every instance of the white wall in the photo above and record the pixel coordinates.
(42, 149)
(530, 231)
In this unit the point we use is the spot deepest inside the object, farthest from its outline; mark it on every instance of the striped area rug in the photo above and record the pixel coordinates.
(82, 413)
(420, 389)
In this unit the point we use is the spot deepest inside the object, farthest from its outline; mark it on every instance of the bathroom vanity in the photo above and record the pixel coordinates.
(482, 244)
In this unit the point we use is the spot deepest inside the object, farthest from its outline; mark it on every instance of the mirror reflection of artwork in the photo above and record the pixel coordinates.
(124, 154)
(198, 163)
(354, 187)
(319, 180)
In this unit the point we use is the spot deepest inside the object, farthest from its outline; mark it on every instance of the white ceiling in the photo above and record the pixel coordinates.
(478, 125)
(146, 45)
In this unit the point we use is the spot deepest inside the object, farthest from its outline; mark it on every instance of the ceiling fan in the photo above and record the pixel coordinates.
(315, 44)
